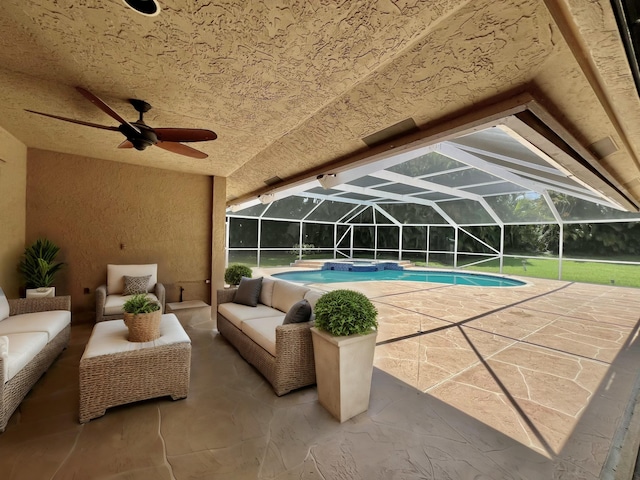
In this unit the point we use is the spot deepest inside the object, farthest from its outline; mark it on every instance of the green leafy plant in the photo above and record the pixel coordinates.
(140, 303)
(234, 273)
(345, 312)
(37, 264)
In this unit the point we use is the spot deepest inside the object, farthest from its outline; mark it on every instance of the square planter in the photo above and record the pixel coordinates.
(344, 366)
(41, 292)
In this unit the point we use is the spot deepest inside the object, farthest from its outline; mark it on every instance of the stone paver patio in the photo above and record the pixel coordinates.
(535, 383)
(552, 365)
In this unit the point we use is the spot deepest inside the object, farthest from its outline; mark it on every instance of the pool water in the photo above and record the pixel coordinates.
(435, 276)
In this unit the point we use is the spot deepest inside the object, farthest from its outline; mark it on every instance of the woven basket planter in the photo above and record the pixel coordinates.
(143, 327)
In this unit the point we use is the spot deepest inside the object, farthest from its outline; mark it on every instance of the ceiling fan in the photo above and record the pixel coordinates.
(139, 134)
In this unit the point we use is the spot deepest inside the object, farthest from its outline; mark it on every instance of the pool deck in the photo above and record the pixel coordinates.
(551, 366)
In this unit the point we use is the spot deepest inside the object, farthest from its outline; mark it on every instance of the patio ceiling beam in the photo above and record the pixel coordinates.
(583, 195)
(419, 183)
(330, 180)
(423, 184)
(400, 198)
(451, 151)
(391, 218)
(506, 158)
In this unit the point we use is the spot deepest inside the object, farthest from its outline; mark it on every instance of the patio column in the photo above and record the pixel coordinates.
(218, 235)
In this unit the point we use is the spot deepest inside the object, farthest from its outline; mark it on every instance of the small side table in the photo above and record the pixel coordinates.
(177, 306)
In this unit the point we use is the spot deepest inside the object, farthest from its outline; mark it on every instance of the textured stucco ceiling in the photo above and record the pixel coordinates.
(290, 86)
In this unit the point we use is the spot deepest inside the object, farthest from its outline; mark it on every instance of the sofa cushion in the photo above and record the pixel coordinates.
(114, 303)
(266, 294)
(263, 331)
(111, 336)
(248, 291)
(4, 306)
(4, 355)
(22, 348)
(236, 313)
(51, 323)
(285, 294)
(300, 312)
(116, 273)
(312, 297)
(135, 285)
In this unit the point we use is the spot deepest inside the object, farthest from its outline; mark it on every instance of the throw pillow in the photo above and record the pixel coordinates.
(300, 312)
(133, 285)
(4, 306)
(248, 291)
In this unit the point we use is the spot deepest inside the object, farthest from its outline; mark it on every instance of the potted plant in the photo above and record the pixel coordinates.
(142, 318)
(39, 268)
(344, 340)
(234, 273)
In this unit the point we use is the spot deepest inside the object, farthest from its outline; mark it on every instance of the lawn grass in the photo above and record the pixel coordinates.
(572, 271)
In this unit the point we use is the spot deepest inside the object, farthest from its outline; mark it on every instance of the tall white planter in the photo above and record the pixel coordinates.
(344, 366)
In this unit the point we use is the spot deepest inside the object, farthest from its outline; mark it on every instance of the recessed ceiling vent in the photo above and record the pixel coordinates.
(150, 8)
(603, 148)
(272, 180)
(398, 130)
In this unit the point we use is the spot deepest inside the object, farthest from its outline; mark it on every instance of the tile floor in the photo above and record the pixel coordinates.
(536, 382)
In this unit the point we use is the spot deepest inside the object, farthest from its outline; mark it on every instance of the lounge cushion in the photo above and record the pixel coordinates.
(266, 294)
(51, 323)
(4, 355)
(248, 291)
(300, 312)
(110, 337)
(263, 331)
(4, 306)
(236, 313)
(135, 285)
(285, 294)
(312, 297)
(114, 303)
(116, 273)
(23, 347)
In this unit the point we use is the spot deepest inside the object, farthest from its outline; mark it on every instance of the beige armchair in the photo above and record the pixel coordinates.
(122, 282)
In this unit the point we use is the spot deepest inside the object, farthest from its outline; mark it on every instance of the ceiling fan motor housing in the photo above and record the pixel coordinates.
(142, 140)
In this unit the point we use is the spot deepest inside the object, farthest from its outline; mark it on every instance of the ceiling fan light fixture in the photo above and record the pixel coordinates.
(149, 8)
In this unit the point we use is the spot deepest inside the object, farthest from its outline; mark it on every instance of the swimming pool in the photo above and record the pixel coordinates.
(435, 276)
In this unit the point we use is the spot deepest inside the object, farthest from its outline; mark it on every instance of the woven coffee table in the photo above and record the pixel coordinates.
(114, 371)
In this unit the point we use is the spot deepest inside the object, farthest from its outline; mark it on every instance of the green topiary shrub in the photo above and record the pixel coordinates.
(140, 303)
(345, 312)
(234, 273)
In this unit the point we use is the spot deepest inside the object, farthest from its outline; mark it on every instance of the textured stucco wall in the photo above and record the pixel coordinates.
(13, 179)
(102, 212)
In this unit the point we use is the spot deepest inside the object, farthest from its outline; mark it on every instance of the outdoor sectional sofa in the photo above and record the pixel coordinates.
(33, 332)
(282, 353)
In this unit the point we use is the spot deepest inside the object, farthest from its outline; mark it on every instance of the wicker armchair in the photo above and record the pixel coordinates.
(110, 298)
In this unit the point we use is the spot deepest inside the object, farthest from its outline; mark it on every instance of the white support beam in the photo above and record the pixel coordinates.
(400, 198)
(452, 151)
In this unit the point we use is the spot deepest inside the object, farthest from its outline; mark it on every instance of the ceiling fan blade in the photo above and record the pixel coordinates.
(126, 144)
(184, 134)
(79, 122)
(181, 149)
(105, 108)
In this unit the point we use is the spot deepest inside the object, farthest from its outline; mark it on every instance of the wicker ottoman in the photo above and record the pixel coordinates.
(114, 371)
